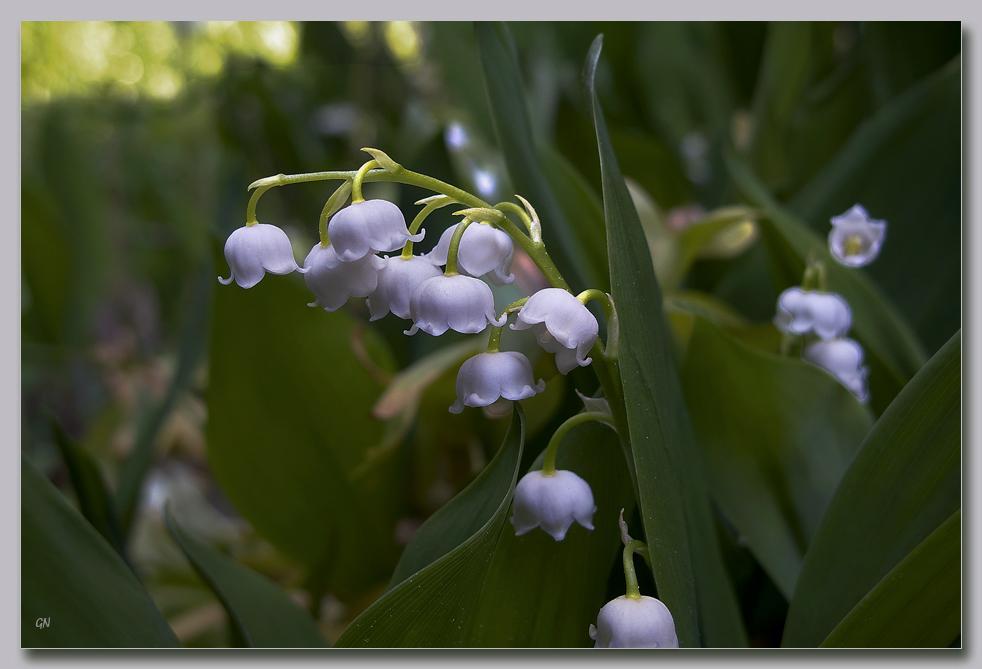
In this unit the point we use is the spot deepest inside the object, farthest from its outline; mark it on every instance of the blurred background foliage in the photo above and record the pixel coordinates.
(138, 140)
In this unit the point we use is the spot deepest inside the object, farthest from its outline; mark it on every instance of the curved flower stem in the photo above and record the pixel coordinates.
(630, 577)
(454, 245)
(253, 201)
(535, 249)
(549, 462)
(494, 341)
(356, 182)
(599, 296)
(407, 250)
(515, 209)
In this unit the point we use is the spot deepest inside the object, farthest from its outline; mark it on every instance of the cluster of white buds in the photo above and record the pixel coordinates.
(854, 240)
(346, 262)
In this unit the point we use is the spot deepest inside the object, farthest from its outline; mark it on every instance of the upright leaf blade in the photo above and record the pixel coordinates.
(435, 605)
(73, 579)
(776, 434)
(903, 483)
(678, 523)
(264, 616)
(506, 99)
(916, 605)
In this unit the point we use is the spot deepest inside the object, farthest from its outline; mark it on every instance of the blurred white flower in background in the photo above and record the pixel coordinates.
(855, 238)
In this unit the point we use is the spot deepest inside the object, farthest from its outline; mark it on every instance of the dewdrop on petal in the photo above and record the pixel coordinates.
(628, 622)
(801, 312)
(488, 377)
(253, 250)
(552, 503)
(483, 249)
(855, 238)
(397, 279)
(562, 325)
(458, 302)
(368, 227)
(332, 282)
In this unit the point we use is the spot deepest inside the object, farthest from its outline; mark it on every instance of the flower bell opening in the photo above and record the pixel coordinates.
(855, 238)
(552, 502)
(253, 250)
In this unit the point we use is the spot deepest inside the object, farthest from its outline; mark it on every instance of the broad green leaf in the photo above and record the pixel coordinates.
(194, 338)
(290, 425)
(74, 584)
(678, 522)
(94, 499)
(506, 99)
(434, 605)
(546, 593)
(916, 605)
(904, 481)
(581, 206)
(783, 74)
(904, 166)
(264, 616)
(891, 347)
(777, 434)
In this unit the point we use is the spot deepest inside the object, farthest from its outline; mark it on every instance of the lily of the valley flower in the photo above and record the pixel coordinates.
(843, 358)
(800, 312)
(483, 249)
(488, 377)
(855, 238)
(397, 279)
(332, 282)
(552, 503)
(458, 302)
(562, 325)
(368, 227)
(634, 622)
(253, 250)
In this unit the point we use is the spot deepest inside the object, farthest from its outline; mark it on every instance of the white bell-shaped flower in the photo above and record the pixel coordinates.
(397, 279)
(483, 249)
(368, 227)
(843, 358)
(552, 503)
(253, 250)
(488, 377)
(628, 622)
(458, 302)
(332, 282)
(800, 312)
(562, 325)
(855, 238)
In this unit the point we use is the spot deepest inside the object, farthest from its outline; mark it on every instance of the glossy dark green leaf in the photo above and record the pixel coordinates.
(904, 165)
(264, 616)
(506, 99)
(434, 606)
(94, 499)
(674, 503)
(194, 338)
(546, 593)
(76, 592)
(891, 346)
(904, 481)
(289, 425)
(776, 434)
(916, 605)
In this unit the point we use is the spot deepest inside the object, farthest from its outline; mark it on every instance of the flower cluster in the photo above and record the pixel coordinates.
(854, 241)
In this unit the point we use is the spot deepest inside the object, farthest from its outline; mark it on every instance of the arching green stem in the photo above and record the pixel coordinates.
(494, 341)
(515, 209)
(630, 577)
(359, 177)
(322, 224)
(454, 245)
(599, 296)
(407, 250)
(549, 462)
(253, 201)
